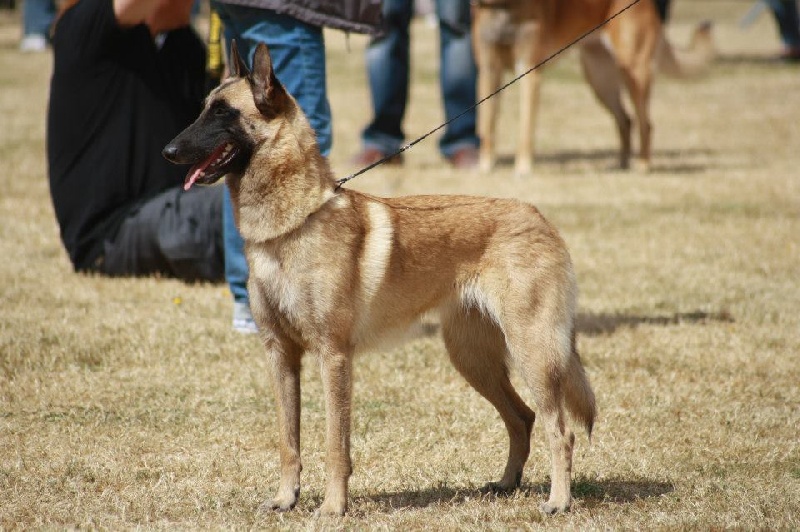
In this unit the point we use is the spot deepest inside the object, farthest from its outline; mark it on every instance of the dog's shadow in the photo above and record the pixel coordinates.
(753, 59)
(600, 324)
(672, 161)
(586, 492)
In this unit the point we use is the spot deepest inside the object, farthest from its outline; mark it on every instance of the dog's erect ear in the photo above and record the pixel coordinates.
(268, 93)
(237, 67)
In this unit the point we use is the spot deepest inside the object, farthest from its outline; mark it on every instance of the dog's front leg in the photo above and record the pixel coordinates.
(529, 99)
(336, 371)
(285, 369)
(527, 52)
(490, 73)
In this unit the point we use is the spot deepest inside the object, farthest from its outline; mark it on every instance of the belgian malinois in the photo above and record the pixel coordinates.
(334, 271)
(519, 34)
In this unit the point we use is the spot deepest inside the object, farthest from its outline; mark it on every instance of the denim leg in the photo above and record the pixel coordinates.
(236, 271)
(458, 75)
(298, 55)
(37, 16)
(786, 15)
(388, 65)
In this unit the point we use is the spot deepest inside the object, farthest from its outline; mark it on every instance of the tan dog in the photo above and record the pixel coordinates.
(519, 34)
(333, 272)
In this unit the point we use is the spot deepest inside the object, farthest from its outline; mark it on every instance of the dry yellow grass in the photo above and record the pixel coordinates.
(131, 403)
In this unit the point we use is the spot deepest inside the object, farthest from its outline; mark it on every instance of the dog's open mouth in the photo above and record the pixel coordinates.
(213, 167)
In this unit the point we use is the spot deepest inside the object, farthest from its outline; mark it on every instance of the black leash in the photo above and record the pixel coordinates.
(340, 182)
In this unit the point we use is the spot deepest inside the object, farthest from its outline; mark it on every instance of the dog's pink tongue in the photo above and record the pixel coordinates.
(192, 176)
(197, 170)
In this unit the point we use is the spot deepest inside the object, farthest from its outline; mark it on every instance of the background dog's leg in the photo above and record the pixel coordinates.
(477, 350)
(639, 81)
(489, 76)
(605, 78)
(529, 100)
(336, 371)
(285, 367)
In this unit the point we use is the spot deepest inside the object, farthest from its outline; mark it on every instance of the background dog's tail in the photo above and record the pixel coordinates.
(578, 394)
(691, 61)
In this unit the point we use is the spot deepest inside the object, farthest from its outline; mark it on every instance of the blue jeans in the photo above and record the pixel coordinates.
(37, 17)
(788, 20)
(298, 57)
(388, 65)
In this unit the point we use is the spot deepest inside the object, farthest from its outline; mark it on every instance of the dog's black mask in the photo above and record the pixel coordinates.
(215, 145)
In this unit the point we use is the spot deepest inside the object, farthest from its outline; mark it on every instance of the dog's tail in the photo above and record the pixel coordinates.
(578, 394)
(691, 61)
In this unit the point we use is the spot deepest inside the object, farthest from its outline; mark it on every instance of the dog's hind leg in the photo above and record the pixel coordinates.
(545, 381)
(639, 80)
(539, 337)
(604, 76)
(635, 48)
(477, 350)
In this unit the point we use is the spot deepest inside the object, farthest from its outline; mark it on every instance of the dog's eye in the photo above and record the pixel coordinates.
(219, 108)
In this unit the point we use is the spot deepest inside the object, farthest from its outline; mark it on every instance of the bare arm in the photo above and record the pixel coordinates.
(159, 15)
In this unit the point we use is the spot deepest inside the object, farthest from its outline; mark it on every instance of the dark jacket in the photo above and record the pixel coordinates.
(358, 16)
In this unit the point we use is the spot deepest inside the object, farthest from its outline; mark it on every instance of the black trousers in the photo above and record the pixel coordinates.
(176, 234)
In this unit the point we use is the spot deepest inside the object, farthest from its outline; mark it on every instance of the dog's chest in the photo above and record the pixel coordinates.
(290, 285)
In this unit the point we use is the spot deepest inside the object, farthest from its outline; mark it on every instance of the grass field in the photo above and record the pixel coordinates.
(132, 404)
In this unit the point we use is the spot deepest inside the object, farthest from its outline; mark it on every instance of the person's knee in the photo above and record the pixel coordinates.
(397, 13)
(454, 15)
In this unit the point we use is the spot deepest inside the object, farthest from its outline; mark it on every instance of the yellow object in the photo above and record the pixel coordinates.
(214, 64)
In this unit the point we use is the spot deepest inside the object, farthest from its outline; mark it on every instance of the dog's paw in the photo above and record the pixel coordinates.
(550, 508)
(498, 488)
(330, 510)
(281, 503)
(640, 166)
(486, 164)
(523, 167)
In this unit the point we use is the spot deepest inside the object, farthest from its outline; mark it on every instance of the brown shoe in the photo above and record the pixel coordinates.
(464, 158)
(790, 55)
(369, 156)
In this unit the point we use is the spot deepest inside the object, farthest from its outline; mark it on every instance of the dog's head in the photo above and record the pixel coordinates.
(237, 118)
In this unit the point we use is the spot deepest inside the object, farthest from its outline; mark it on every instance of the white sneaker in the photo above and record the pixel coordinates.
(33, 43)
(242, 319)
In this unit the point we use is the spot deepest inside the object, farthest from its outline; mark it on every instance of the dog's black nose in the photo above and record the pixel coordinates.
(170, 152)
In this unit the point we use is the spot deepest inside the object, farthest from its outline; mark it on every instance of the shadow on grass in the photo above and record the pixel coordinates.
(752, 60)
(665, 160)
(600, 324)
(619, 491)
(587, 492)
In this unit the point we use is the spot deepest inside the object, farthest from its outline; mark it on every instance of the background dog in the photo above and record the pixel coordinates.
(519, 34)
(334, 272)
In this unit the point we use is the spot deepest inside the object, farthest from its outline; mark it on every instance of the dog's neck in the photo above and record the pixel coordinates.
(282, 186)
